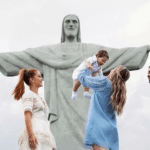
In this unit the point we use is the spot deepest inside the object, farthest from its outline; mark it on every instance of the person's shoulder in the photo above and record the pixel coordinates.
(28, 94)
(94, 57)
(108, 80)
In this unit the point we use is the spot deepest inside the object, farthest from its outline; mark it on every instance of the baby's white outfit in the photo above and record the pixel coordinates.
(93, 61)
(41, 128)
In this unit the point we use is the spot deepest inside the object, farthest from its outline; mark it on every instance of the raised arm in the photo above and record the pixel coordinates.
(91, 82)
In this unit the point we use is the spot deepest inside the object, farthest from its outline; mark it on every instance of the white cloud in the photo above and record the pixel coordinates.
(4, 45)
(137, 25)
(145, 108)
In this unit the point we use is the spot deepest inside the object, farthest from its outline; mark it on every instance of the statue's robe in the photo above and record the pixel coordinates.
(67, 117)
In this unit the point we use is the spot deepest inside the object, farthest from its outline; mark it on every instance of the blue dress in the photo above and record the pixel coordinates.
(101, 125)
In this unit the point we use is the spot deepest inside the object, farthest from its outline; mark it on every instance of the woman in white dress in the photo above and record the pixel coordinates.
(37, 134)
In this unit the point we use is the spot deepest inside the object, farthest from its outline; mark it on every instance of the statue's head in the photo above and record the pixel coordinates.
(148, 75)
(71, 28)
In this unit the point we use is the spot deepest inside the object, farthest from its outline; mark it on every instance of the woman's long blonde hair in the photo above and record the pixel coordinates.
(118, 78)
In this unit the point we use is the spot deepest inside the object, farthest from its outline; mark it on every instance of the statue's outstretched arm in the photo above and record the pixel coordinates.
(148, 48)
(12, 62)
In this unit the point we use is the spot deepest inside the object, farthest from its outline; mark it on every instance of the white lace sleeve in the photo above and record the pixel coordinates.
(27, 101)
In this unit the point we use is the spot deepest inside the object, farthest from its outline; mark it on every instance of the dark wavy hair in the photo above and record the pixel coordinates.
(24, 76)
(118, 78)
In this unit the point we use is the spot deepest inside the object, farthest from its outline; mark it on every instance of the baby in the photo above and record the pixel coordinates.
(95, 64)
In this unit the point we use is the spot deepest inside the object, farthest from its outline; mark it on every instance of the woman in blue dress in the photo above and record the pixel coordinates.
(108, 98)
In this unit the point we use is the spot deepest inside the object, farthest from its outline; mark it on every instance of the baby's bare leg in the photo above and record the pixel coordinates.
(97, 148)
(86, 89)
(76, 85)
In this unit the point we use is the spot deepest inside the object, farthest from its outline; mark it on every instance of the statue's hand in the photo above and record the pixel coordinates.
(148, 48)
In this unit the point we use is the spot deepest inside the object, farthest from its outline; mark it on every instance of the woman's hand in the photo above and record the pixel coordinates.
(32, 139)
(88, 65)
(33, 142)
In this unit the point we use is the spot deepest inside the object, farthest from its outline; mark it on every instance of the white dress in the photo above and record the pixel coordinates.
(40, 124)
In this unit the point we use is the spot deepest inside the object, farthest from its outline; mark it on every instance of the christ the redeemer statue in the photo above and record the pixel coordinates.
(56, 63)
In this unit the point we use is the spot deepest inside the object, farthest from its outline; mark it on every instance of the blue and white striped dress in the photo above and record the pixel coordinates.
(101, 125)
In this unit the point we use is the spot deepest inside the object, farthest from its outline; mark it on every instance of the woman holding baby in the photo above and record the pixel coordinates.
(108, 98)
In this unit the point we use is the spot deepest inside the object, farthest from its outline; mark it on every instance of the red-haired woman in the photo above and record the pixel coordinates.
(109, 96)
(37, 134)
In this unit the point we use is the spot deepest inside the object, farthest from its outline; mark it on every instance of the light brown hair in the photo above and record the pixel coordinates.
(118, 98)
(24, 76)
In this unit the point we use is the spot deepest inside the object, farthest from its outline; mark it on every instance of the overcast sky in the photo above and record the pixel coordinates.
(112, 23)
